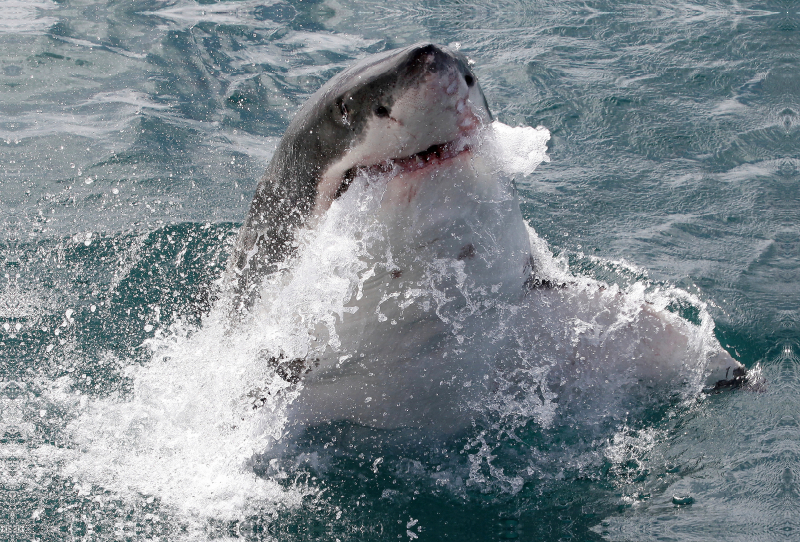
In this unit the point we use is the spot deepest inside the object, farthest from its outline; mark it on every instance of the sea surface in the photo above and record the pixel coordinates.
(132, 136)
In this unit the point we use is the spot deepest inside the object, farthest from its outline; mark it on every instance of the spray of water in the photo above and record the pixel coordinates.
(565, 354)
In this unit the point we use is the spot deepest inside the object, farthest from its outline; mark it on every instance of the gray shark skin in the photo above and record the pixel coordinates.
(352, 121)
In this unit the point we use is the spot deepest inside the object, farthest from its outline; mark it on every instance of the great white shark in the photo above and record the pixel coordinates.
(448, 303)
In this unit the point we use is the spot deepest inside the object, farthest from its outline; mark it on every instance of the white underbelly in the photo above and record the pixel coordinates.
(411, 348)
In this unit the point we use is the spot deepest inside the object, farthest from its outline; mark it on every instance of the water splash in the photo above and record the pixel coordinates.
(203, 428)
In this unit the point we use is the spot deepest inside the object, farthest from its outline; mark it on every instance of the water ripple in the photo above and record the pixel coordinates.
(736, 456)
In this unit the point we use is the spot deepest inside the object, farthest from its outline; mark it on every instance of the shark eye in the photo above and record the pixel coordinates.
(343, 109)
(381, 111)
(469, 80)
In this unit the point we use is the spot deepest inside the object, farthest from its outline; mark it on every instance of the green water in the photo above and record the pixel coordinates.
(132, 135)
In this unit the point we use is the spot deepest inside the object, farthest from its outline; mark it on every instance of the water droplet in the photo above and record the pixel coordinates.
(682, 500)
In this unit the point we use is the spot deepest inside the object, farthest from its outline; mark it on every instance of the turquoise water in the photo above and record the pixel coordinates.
(132, 135)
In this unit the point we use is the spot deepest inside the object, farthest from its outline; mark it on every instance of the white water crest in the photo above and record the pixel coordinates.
(397, 312)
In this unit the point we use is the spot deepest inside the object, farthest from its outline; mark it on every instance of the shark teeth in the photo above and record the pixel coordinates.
(432, 156)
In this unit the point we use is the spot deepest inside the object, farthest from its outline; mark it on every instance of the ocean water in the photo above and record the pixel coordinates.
(132, 135)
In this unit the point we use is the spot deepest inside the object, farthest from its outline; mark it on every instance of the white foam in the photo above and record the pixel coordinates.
(189, 431)
(519, 150)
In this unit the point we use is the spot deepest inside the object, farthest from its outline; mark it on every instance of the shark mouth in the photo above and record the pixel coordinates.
(432, 156)
(435, 155)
